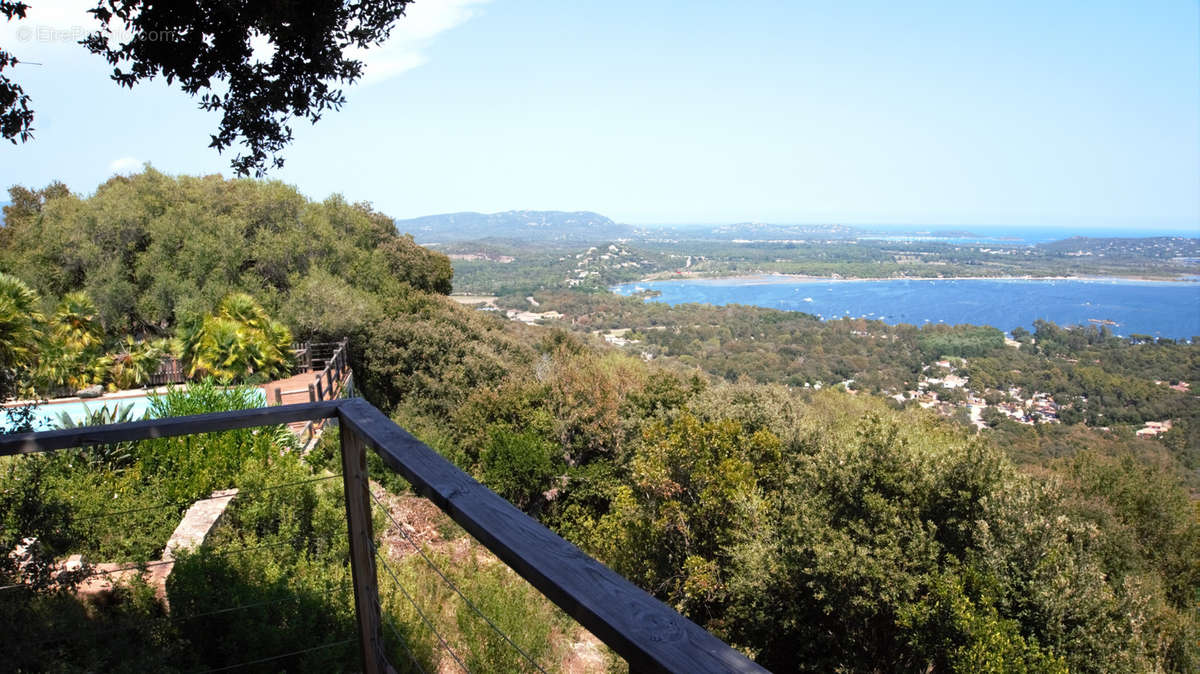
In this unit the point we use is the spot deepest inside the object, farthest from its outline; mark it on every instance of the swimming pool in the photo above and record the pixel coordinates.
(47, 416)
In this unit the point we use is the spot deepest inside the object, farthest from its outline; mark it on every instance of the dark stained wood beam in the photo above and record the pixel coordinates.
(30, 443)
(650, 635)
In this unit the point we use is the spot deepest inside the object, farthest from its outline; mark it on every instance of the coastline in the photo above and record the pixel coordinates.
(1144, 306)
(780, 277)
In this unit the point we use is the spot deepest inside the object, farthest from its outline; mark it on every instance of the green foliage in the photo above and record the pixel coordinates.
(964, 634)
(75, 326)
(432, 353)
(1146, 519)
(120, 503)
(814, 530)
(817, 531)
(762, 345)
(693, 485)
(112, 458)
(518, 466)
(964, 341)
(20, 331)
(515, 606)
(133, 363)
(33, 516)
(237, 343)
(194, 465)
(868, 535)
(154, 251)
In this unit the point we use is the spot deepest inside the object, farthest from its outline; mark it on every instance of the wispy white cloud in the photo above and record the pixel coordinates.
(411, 37)
(125, 165)
(48, 24)
(60, 24)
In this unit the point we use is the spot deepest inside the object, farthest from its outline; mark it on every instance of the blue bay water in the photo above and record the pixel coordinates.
(1158, 308)
(1018, 235)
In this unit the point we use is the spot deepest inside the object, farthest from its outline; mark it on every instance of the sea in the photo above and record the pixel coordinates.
(1158, 308)
(1014, 235)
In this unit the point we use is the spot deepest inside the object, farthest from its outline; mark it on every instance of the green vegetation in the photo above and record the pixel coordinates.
(1096, 377)
(92, 286)
(237, 341)
(813, 529)
(59, 356)
(966, 341)
(832, 532)
(496, 266)
(280, 551)
(153, 251)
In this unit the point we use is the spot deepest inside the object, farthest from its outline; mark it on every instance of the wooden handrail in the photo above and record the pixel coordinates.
(325, 384)
(43, 441)
(650, 635)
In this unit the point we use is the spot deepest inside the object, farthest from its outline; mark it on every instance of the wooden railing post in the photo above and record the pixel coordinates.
(650, 635)
(278, 395)
(362, 551)
(312, 394)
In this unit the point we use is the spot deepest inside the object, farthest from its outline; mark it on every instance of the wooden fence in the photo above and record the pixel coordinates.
(650, 635)
(330, 383)
(170, 371)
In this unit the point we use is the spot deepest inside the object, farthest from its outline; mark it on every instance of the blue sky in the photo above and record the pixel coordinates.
(1075, 114)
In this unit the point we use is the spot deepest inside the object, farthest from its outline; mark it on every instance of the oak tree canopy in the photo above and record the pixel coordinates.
(208, 48)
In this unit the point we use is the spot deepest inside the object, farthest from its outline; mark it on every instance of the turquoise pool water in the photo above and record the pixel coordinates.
(47, 416)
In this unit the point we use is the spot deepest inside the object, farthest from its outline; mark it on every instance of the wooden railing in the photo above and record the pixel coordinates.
(334, 379)
(170, 371)
(650, 635)
(314, 355)
(331, 381)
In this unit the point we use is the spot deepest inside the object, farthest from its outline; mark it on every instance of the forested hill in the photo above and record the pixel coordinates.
(1156, 247)
(813, 530)
(153, 250)
(759, 231)
(542, 226)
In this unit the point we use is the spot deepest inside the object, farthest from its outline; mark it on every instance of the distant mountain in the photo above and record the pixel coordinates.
(761, 231)
(577, 226)
(1161, 247)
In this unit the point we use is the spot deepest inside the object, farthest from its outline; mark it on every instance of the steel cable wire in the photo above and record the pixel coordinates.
(289, 654)
(427, 621)
(470, 604)
(403, 642)
(149, 565)
(241, 493)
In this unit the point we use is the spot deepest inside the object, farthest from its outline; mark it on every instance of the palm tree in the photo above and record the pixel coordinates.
(238, 342)
(20, 333)
(75, 325)
(19, 323)
(242, 308)
(71, 355)
(134, 363)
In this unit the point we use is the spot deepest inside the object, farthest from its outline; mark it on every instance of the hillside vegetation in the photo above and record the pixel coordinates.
(153, 251)
(815, 530)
